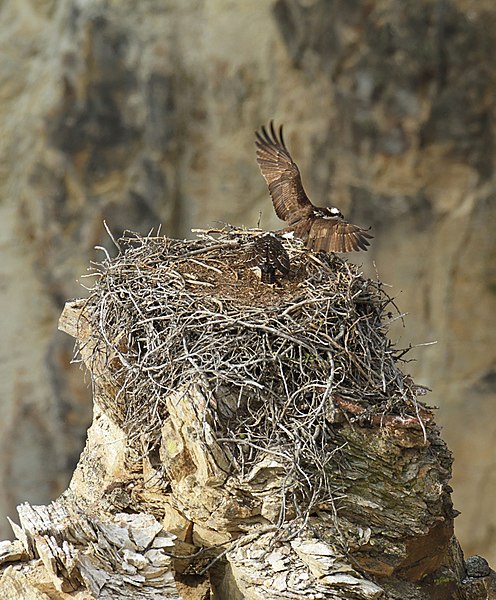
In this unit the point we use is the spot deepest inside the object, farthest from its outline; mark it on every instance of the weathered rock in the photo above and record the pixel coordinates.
(371, 515)
(143, 114)
(94, 558)
(12, 551)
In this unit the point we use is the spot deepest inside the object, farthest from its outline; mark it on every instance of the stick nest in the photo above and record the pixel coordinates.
(273, 360)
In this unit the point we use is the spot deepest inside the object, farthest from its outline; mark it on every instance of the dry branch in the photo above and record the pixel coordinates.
(270, 361)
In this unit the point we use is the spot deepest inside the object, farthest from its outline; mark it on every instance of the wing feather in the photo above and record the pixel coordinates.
(282, 262)
(269, 254)
(319, 231)
(336, 235)
(282, 175)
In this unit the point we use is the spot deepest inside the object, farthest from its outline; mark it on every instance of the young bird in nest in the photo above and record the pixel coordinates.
(269, 256)
(322, 229)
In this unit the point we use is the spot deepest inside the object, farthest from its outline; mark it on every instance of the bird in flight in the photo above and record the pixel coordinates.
(270, 256)
(323, 229)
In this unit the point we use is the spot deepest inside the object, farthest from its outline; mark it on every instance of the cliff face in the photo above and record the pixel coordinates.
(140, 115)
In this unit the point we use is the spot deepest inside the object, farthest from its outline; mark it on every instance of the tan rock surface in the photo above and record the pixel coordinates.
(143, 114)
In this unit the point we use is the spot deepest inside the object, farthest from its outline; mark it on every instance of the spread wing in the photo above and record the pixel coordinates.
(282, 175)
(332, 234)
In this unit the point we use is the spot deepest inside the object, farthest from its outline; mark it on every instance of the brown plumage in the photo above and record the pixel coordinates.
(321, 228)
(270, 256)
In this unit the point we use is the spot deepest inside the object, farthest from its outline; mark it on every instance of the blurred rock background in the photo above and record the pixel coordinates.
(143, 113)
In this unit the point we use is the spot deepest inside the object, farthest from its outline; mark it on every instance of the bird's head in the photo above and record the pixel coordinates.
(332, 212)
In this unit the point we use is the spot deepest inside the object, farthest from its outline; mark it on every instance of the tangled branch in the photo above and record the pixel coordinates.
(272, 360)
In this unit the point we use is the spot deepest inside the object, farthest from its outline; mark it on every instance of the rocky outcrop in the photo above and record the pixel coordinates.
(144, 114)
(248, 441)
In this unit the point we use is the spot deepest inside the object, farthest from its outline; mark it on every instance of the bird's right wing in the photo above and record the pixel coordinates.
(282, 175)
(324, 234)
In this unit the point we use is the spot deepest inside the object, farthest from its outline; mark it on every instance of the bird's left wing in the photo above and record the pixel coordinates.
(282, 175)
(281, 258)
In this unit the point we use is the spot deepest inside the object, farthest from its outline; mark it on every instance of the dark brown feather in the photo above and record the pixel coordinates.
(335, 235)
(320, 228)
(270, 256)
(281, 174)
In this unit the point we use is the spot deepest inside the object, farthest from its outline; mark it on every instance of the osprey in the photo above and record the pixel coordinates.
(321, 228)
(269, 256)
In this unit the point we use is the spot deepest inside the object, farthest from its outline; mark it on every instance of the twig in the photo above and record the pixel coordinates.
(271, 360)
